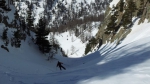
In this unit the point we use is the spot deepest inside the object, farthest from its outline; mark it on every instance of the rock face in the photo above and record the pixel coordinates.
(120, 18)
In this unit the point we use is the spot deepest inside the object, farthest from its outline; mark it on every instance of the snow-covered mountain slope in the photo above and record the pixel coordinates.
(60, 12)
(74, 46)
(65, 16)
(127, 63)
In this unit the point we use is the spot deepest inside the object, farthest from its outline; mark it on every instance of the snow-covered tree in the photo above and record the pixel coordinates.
(41, 39)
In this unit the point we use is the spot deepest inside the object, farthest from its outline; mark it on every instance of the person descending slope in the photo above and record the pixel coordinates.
(59, 64)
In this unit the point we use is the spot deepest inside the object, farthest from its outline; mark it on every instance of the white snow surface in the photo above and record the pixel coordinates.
(113, 3)
(72, 45)
(127, 63)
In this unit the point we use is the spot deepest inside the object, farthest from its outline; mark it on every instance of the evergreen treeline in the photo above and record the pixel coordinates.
(23, 27)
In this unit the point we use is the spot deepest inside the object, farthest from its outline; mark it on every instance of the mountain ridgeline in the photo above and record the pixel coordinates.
(118, 22)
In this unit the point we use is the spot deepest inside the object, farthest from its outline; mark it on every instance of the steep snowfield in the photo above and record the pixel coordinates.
(127, 63)
(137, 32)
(72, 45)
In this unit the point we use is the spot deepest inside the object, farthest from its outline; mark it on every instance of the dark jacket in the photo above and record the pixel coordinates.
(59, 64)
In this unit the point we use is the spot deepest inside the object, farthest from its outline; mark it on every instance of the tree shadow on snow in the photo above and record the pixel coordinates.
(132, 56)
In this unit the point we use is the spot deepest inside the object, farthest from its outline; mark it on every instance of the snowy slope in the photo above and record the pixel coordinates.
(127, 63)
(72, 45)
(57, 18)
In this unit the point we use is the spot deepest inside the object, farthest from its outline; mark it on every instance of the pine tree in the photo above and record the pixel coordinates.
(131, 8)
(127, 17)
(141, 8)
(87, 49)
(23, 25)
(30, 25)
(41, 39)
(92, 42)
(121, 5)
(2, 3)
(111, 27)
(3, 6)
(4, 37)
(16, 15)
(16, 39)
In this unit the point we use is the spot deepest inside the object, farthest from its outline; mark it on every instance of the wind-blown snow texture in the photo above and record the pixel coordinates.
(127, 63)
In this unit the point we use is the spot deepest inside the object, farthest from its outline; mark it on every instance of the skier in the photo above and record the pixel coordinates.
(59, 64)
